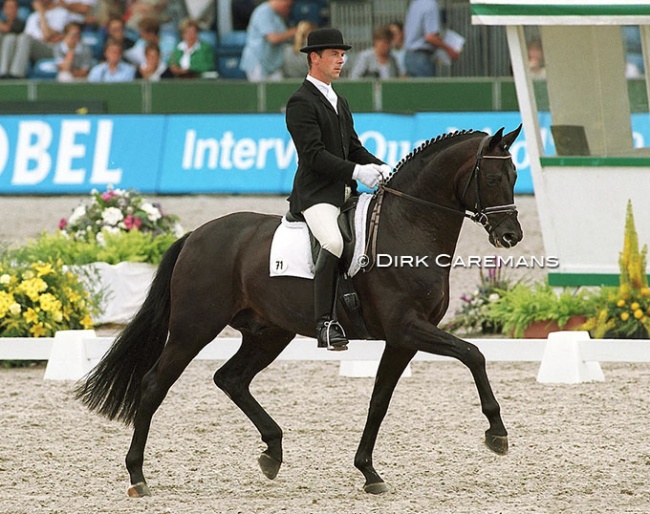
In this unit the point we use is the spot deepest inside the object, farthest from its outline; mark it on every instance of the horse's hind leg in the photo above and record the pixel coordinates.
(155, 385)
(257, 351)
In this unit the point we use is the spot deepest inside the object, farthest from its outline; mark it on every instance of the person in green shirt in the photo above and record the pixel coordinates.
(191, 57)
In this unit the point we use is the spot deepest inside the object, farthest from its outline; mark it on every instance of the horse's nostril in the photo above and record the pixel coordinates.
(509, 239)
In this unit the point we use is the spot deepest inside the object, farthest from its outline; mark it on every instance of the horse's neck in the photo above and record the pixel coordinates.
(412, 227)
(436, 225)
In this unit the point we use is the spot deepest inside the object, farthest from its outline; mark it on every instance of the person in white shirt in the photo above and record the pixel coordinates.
(43, 30)
(81, 11)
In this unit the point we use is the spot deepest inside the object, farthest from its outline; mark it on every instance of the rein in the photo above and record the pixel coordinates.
(478, 215)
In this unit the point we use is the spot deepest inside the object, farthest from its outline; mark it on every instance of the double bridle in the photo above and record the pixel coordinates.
(479, 214)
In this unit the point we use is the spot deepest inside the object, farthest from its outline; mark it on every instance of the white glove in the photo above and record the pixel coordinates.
(368, 174)
(385, 171)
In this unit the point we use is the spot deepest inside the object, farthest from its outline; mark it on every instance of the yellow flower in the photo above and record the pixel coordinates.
(31, 316)
(15, 309)
(38, 330)
(49, 303)
(43, 269)
(32, 287)
(87, 322)
(634, 306)
(6, 299)
(625, 316)
(5, 279)
(620, 303)
(638, 314)
(645, 291)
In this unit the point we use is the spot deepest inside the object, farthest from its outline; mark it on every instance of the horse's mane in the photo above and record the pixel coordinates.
(433, 146)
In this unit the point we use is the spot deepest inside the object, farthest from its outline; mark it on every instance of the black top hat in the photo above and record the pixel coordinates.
(320, 39)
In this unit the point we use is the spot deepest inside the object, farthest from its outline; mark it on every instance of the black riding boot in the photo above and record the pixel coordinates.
(329, 333)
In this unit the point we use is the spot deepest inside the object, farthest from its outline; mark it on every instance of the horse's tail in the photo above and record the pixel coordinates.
(112, 388)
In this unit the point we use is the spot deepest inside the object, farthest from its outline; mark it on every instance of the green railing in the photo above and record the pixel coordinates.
(218, 96)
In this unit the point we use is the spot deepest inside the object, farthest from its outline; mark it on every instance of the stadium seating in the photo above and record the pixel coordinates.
(229, 53)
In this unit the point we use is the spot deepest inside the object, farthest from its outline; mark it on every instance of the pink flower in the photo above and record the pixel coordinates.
(131, 222)
(107, 195)
(63, 223)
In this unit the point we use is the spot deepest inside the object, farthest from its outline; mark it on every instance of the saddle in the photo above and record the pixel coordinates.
(347, 294)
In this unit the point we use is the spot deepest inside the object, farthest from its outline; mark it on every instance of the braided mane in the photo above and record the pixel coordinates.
(436, 144)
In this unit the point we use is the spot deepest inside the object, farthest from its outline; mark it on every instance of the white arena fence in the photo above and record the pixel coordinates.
(567, 357)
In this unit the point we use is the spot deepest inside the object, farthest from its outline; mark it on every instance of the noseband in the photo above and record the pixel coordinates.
(479, 214)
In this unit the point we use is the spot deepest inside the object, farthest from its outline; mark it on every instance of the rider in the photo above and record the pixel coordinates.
(330, 159)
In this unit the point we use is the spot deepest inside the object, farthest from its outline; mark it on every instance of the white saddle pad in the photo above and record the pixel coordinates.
(291, 254)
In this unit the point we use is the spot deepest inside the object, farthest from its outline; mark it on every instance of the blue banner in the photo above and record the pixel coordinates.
(73, 154)
(235, 153)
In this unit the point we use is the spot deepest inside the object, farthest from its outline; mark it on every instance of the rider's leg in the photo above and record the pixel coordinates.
(322, 220)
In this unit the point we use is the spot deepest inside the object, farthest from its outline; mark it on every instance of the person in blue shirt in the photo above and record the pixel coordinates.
(422, 37)
(267, 33)
(113, 69)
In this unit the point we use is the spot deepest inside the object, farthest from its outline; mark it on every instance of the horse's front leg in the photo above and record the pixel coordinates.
(424, 336)
(391, 366)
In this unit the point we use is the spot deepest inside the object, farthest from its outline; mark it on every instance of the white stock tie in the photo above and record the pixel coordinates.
(332, 98)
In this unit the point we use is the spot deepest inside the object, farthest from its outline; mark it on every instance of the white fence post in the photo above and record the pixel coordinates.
(563, 363)
(68, 359)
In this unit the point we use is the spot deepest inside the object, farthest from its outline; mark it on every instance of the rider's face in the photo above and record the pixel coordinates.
(327, 67)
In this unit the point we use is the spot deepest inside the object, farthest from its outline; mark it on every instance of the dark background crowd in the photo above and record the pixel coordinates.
(255, 40)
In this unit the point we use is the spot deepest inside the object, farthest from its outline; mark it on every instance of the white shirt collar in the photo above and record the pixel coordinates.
(326, 89)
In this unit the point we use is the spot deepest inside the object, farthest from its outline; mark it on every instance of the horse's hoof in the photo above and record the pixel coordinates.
(497, 443)
(376, 488)
(139, 490)
(269, 466)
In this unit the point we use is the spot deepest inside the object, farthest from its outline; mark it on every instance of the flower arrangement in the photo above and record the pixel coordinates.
(114, 211)
(625, 312)
(474, 316)
(38, 299)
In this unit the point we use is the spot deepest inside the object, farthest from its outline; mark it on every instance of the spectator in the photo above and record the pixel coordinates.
(113, 69)
(398, 50)
(149, 33)
(267, 32)
(139, 9)
(295, 62)
(10, 28)
(191, 57)
(422, 38)
(154, 68)
(43, 30)
(73, 58)
(10, 23)
(115, 31)
(81, 11)
(378, 61)
(536, 59)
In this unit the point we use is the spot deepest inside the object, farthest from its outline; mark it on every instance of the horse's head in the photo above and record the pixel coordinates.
(489, 191)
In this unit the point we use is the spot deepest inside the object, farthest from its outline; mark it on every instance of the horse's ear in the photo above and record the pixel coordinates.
(509, 138)
(495, 140)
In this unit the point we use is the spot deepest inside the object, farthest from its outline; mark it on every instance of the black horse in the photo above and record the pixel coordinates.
(219, 275)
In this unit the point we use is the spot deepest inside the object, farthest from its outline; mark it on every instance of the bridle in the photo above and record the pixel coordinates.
(478, 214)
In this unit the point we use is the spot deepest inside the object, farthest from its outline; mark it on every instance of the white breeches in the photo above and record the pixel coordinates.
(322, 220)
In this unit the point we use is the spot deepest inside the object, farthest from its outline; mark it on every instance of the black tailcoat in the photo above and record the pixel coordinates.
(328, 148)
